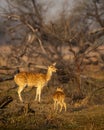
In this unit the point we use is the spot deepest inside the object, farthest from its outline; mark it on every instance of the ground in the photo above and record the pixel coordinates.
(41, 116)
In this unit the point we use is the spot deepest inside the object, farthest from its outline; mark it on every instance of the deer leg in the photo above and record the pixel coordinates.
(57, 106)
(38, 94)
(54, 105)
(61, 105)
(20, 89)
(64, 104)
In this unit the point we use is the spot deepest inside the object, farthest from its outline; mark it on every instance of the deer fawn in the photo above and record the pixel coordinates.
(31, 79)
(59, 98)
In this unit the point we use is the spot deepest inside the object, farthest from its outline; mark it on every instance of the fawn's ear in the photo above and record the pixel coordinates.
(57, 88)
(54, 64)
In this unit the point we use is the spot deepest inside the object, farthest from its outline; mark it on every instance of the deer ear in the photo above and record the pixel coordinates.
(54, 64)
(57, 88)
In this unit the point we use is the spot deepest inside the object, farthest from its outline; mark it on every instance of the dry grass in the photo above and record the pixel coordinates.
(95, 72)
(83, 116)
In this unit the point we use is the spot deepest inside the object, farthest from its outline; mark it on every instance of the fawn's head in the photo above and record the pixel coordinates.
(59, 89)
(52, 68)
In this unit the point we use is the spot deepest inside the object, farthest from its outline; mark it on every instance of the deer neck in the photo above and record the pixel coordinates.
(48, 75)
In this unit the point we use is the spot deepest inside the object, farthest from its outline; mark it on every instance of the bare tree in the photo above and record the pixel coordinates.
(36, 41)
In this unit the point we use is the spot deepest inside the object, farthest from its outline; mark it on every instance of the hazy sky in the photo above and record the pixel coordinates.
(53, 7)
(2, 3)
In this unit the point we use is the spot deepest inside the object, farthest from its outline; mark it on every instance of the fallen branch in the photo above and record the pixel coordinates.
(5, 101)
(10, 77)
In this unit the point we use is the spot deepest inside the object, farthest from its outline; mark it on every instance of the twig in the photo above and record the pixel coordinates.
(96, 30)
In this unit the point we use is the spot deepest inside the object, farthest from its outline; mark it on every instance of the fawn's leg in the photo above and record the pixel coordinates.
(57, 106)
(61, 105)
(64, 104)
(54, 105)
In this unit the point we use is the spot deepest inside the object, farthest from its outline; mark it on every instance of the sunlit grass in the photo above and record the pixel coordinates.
(84, 116)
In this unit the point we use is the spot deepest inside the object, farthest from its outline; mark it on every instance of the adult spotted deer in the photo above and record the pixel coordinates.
(30, 79)
(59, 98)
